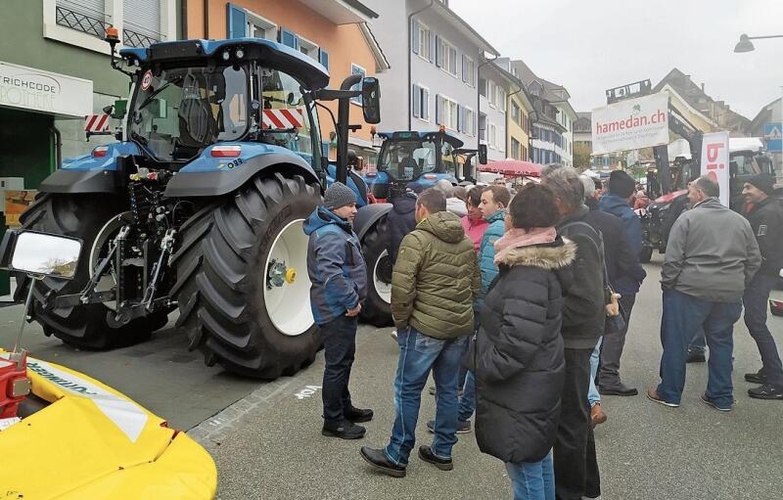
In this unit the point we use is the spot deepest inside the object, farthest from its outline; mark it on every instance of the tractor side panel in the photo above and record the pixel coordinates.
(89, 173)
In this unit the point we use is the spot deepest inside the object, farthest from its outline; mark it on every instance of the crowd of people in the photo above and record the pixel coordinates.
(519, 308)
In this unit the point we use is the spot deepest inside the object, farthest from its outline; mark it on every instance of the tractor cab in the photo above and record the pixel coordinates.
(415, 160)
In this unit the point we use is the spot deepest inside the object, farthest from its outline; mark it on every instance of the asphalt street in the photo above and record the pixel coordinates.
(266, 441)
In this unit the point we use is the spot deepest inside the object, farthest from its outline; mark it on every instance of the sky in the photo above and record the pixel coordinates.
(591, 46)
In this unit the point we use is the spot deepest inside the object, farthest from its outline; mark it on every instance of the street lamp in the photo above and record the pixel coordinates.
(745, 44)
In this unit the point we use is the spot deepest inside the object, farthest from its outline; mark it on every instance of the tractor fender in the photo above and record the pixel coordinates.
(367, 216)
(92, 173)
(233, 173)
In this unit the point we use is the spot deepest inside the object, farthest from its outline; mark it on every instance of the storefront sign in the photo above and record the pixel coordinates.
(45, 92)
(715, 161)
(632, 124)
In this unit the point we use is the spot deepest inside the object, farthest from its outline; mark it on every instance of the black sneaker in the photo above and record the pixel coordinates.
(617, 390)
(709, 401)
(426, 454)
(343, 430)
(695, 357)
(358, 415)
(766, 391)
(756, 378)
(379, 460)
(462, 427)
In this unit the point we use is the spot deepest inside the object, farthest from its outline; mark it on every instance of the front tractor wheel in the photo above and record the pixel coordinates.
(242, 284)
(376, 309)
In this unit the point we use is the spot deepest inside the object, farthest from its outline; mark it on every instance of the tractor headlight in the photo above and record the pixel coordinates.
(226, 55)
(239, 53)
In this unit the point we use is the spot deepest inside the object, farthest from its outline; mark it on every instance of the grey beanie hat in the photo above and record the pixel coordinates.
(338, 195)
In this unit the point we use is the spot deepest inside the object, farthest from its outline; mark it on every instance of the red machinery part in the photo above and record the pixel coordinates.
(14, 385)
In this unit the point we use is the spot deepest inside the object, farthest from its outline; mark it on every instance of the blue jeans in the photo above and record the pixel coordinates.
(593, 396)
(755, 300)
(533, 480)
(683, 315)
(698, 344)
(418, 355)
(467, 403)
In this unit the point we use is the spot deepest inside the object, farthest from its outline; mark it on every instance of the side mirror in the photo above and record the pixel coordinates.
(482, 154)
(371, 100)
(40, 254)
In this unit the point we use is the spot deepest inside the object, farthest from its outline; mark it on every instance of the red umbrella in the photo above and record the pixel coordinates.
(512, 168)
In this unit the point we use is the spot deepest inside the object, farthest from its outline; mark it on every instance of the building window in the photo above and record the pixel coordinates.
(357, 70)
(515, 113)
(84, 22)
(308, 48)
(483, 87)
(421, 102)
(446, 56)
(493, 94)
(524, 154)
(482, 124)
(467, 120)
(421, 43)
(447, 112)
(305, 46)
(493, 136)
(468, 71)
(258, 27)
(515, 149)
(501, 99)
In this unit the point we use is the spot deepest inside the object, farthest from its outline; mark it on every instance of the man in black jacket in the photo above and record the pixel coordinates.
(583, 323)
(766, 219)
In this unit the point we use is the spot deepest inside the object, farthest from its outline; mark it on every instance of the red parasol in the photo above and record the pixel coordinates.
(512, 168)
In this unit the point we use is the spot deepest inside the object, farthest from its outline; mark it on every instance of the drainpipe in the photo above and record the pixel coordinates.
(58, 146)
(410, 83)
(206, 20)
(184, 20)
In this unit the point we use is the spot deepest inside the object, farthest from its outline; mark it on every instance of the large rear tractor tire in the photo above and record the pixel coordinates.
(242, 284)
(80, 216)
(376, 309)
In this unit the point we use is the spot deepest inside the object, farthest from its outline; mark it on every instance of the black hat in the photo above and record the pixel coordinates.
(338, 195)
(621, 184)
(764, 182)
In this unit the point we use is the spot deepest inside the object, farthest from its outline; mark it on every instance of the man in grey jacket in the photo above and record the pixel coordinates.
(711, 257)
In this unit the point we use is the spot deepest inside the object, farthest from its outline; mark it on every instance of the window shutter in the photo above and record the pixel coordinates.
(237, 21)
(460, 118)
(425, 104)
(437, 109)
(415, 36)
(438, 53)
(323, 58)
(453, 61)
(464, 68)
(144, 16)
(325, 149)
(433, 40)
(416, 94)
(289, 38)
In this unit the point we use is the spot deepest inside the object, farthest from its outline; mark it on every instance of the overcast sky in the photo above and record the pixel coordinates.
(591, 46)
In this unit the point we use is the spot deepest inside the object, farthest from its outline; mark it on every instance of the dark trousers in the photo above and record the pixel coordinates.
(612, 346)
(570, 450)
(755, 301)
(339, 349)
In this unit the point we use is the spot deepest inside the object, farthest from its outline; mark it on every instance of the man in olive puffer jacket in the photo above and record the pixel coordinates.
(434, 284)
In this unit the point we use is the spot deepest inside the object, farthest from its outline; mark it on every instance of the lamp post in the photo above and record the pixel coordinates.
(745, 44)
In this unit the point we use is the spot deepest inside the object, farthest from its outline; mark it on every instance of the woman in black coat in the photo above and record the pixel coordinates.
(519, 351)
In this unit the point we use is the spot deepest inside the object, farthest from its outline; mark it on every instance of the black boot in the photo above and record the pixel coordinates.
(358, 415)
(379, 460)
(343, 430)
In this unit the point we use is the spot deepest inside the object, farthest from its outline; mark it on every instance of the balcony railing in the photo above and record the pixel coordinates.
(92, 25)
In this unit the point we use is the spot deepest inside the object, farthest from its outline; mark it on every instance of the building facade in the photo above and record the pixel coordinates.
(768, 124)
(332, 32)
(434, 68)
(494, 88)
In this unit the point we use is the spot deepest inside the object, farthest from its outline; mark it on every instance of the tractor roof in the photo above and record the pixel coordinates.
(455, 141)
(312, 74)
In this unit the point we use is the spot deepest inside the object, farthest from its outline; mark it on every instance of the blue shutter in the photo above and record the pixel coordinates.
(415, 36)
(325, 149)
(323, 58)
(425, 104)
(438, 53)
(237, 21)
(289, 38)
(416, 94)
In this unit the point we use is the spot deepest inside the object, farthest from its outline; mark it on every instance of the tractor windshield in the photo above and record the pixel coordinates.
(408, 159)
(177, 112)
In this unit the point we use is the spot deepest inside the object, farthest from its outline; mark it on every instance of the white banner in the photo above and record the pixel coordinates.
(38, 90)
(715, 161)
(633, 124)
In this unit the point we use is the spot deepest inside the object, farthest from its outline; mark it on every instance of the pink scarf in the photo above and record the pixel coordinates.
(517, 238)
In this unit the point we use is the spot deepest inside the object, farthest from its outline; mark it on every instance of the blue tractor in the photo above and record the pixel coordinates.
(199, 207)
(407, 160)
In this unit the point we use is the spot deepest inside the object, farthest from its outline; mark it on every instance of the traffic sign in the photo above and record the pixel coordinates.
(773, 133)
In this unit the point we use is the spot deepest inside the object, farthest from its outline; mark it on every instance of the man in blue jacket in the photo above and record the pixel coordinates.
(617, 201)
(339, 285)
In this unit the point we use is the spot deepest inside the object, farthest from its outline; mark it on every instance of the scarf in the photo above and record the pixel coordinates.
(518, 237)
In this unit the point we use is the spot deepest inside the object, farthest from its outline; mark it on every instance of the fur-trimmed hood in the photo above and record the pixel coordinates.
(550, 256)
